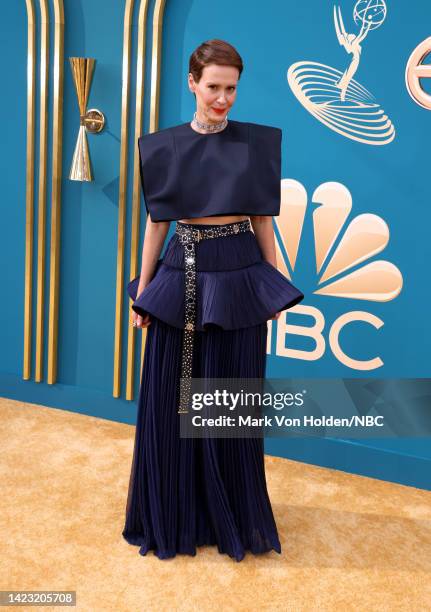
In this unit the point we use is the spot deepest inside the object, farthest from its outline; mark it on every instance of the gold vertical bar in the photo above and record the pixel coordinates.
(119, 297)
(156, 62)
(44, 58)
(29, 197)
(154, 114)
(135, 225)
(57, 131)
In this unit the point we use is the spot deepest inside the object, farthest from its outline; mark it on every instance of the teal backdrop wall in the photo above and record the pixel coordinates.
(389, 180)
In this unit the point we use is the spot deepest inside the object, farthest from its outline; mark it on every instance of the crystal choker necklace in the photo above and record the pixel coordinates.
(209, 127)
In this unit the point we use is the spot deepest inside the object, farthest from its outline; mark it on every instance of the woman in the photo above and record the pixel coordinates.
(205, 305)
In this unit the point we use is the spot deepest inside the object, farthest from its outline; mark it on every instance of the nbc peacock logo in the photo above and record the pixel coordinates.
(346, 267)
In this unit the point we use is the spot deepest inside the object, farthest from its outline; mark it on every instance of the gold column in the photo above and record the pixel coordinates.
(56, 184)
(41, 213)
(136, 195)
(119, 297)
(156, 57)
(136, 200)
(57, 148)
(29, 197)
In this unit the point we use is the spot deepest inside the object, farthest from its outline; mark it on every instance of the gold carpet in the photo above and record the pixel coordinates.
(348, 542)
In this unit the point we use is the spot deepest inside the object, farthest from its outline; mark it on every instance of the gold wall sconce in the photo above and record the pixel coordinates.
(91, 120)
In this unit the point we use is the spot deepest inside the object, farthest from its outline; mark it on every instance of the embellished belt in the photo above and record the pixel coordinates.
(188, 235)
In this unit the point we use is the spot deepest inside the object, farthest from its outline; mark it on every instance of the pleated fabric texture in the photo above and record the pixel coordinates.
(235, 286)
(188, 492)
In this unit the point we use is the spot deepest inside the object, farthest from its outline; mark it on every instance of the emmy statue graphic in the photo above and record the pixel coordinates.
(351, 42)
(335, 98)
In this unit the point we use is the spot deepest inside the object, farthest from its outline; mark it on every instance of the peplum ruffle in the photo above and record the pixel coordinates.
(247, 292)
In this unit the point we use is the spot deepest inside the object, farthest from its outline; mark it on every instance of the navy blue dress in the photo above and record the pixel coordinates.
(188, 492)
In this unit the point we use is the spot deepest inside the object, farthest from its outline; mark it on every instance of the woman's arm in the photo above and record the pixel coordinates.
(264, 232)
(155, 234)
(154, 238)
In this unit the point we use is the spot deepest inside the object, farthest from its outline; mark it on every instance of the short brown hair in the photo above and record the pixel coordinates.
(214, 51)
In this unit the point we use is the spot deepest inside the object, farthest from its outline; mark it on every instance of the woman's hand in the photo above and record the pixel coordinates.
(141, 321)
(277, 314)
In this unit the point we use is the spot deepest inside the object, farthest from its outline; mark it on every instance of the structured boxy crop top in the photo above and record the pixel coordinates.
(186, 174)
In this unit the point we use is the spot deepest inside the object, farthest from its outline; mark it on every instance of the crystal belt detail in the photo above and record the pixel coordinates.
(189, 234)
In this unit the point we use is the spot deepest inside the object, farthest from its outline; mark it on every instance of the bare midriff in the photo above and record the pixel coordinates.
(216, 220)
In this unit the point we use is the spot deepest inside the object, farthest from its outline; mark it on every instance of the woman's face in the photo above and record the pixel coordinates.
(215, 90)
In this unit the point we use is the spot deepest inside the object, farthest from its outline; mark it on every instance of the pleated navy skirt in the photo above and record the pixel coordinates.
(188, 492)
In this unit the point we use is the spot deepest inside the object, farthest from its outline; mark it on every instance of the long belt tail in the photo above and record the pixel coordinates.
(189, 327)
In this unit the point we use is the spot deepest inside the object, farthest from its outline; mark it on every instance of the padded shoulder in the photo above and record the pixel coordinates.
(265, 148)
(266, 139)
(157, 166)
